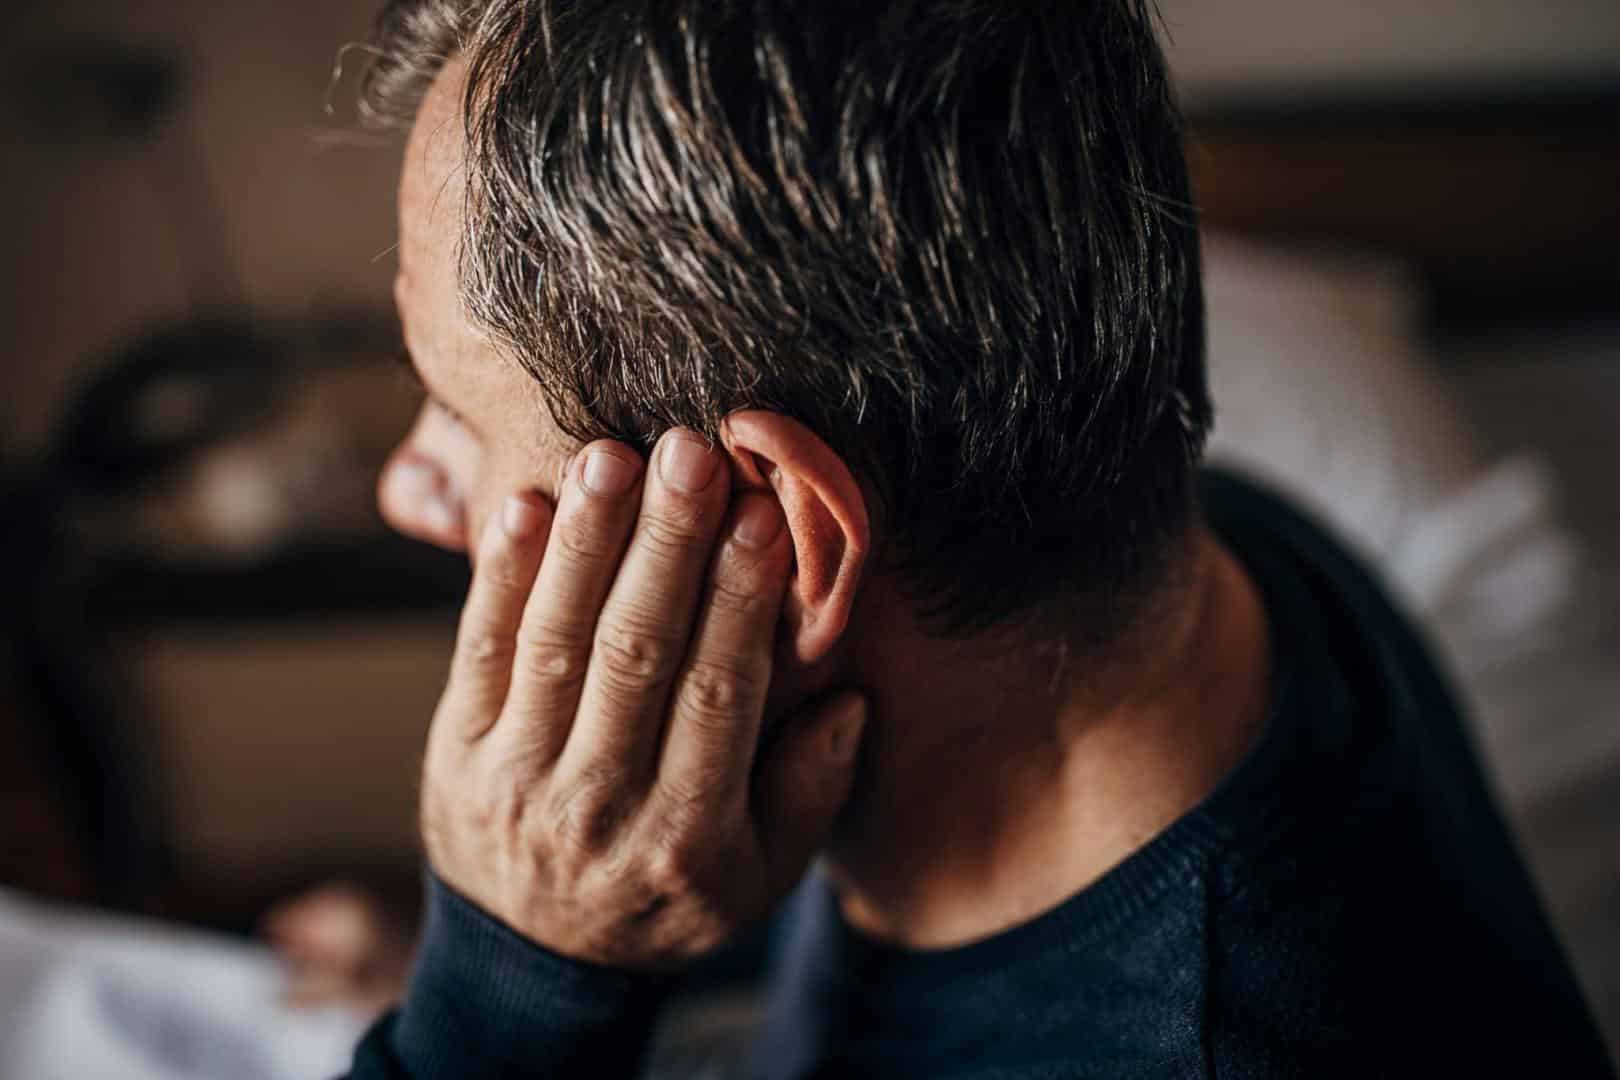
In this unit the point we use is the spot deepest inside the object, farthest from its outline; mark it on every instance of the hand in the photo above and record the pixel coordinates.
(591, 775)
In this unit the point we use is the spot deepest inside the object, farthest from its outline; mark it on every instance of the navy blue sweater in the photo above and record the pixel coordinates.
(1346, 903)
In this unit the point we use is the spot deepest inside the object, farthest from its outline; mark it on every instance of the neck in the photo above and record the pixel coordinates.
(993, 790)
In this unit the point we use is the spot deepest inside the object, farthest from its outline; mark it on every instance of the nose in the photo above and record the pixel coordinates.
(415, 496)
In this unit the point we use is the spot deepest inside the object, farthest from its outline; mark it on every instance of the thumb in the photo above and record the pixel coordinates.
(805, 782)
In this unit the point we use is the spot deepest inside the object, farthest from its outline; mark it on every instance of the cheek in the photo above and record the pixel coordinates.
(504, 475)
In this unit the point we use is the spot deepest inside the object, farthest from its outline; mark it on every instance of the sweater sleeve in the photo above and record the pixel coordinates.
(485, 1002)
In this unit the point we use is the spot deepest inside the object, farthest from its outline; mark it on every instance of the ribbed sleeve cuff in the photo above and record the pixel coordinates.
(486, 1002)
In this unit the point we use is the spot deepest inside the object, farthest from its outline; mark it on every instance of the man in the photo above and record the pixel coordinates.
(819, 391)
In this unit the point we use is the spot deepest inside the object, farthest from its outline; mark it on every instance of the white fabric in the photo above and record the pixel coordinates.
(85, 996)
(1323, 387)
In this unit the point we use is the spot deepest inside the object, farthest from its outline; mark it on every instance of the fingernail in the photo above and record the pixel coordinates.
(759, 521)
(846, 730)
(520, 517)
(686, 464)
(607, 473)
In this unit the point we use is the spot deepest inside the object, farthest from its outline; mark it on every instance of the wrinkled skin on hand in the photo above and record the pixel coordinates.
(593, 775)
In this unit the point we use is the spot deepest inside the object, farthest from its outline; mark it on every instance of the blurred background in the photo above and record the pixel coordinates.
(218, 665)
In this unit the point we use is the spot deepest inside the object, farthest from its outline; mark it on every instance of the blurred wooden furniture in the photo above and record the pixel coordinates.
(1504, 201)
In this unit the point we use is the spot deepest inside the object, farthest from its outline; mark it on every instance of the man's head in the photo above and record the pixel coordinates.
(951, 238)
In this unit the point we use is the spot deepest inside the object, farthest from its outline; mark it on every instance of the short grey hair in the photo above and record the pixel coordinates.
(952, 237)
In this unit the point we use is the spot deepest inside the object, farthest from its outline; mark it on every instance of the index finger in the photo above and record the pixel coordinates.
(503, 573)
(720, 693)
(595, 512)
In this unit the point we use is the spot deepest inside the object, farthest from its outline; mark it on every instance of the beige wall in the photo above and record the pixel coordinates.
(93, 256)
(290, 746)
(277, 746)
(1225, 46)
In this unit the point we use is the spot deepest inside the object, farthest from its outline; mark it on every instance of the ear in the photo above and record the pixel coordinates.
(826, 516)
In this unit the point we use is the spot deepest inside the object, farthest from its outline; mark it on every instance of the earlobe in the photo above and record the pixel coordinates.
(826, 515)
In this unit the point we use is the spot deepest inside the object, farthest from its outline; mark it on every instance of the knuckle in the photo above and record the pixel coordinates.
(483, 648)
(634, 657)
(675, 529)
(732, 596)
(502, 570)
(686, 813)
(583, 537)
(498, 802)
(671, 866)
(451, 808)
(552, 657)
(585, 817)
(717, 690)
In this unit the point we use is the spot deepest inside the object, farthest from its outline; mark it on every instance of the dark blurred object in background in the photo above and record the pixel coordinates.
(92, 91)
(208, 630)
(215, 474)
